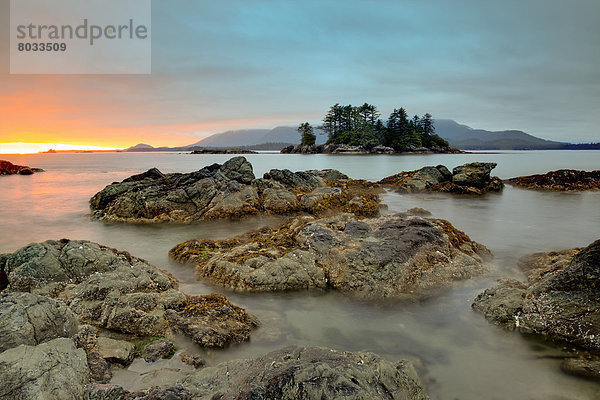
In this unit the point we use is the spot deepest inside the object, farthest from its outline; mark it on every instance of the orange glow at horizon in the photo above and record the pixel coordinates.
(31, 148)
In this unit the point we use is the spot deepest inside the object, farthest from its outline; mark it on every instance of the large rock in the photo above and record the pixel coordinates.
(473, 178)
(113, 290)
(400, 255)
(30, 319)
(8, 168)
(560, 180)
(49, 371)
(225, 191)
(308, 373)
(560, 300)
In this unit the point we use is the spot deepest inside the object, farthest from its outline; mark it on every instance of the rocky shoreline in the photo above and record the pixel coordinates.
(347, 149)
(231, 191)
(402, 256)
(71, 311)
(560, 180)
(559, 301)
(473, 178)
(8, 168)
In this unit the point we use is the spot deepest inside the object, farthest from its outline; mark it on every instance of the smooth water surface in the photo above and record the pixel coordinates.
(459, 354)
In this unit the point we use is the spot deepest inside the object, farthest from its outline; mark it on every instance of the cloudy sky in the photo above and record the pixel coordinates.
(532, 65)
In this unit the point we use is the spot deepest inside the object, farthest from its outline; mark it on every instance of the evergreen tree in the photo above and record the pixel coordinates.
(308, 138)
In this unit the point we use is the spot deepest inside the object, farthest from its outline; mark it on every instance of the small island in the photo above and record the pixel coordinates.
(360, 130)
(8, 168)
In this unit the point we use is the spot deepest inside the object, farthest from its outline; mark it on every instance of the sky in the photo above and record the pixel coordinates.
(531, 65)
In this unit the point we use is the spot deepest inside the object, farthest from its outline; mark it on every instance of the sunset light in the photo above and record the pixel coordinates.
(29, 148)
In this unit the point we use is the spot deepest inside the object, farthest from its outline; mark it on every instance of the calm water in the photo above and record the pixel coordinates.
(459, 354)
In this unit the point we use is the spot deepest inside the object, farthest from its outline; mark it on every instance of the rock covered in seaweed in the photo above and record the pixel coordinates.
(399, 255)
(559, 301)
(113, 290)
(473, 178)
(560, 180)
(230, 191)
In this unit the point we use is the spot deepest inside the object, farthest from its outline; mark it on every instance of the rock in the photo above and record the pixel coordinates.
(382, 150)
(8, 168)
(51, 370)
(473, 178)
(115, 351)
(398, 255)
(192, 359)
(212, 321)
(560, 180)
(115, 392)
(308, 373)
(157, 349)
(30, 319)
(560, 300)
(588, 369)
(113, 290)
(219, 191)
(474, 174)
(87, 339)
(233, 150)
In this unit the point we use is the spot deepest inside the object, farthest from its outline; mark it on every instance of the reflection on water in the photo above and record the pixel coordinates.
(460, 355)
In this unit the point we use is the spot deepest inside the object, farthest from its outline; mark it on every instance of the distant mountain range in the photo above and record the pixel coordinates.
(458, 135)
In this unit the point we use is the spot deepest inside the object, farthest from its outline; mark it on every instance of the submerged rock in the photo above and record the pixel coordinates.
(51, 370)
(560, 300)
(229, 191)
(473, 178)
(560, 180)
(8, 168)
(399, 255)
(113, 290)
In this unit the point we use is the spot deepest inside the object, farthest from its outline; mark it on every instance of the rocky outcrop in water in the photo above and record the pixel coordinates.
(473, 178)
(8, 168)
(230, 191)
(303, 373)
(348, 149)
(560, 300)
(399, 255)
(113, 290)
(561, 180)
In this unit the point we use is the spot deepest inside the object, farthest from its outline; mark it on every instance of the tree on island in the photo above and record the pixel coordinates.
(308, 138)
(362, 126)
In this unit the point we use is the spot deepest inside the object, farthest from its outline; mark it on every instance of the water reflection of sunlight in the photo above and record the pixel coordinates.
(31, 148)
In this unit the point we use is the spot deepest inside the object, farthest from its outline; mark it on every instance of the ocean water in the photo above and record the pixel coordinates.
(457, 352)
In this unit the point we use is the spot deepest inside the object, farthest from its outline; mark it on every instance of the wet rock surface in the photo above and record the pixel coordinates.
(559, 301)
(473, 178)
(8, 168)
(113, 290)
(308, 373)
(52, 370)
(161, 348)
(228, 191)
(399, 255)
(560, 180)
(290, 373)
